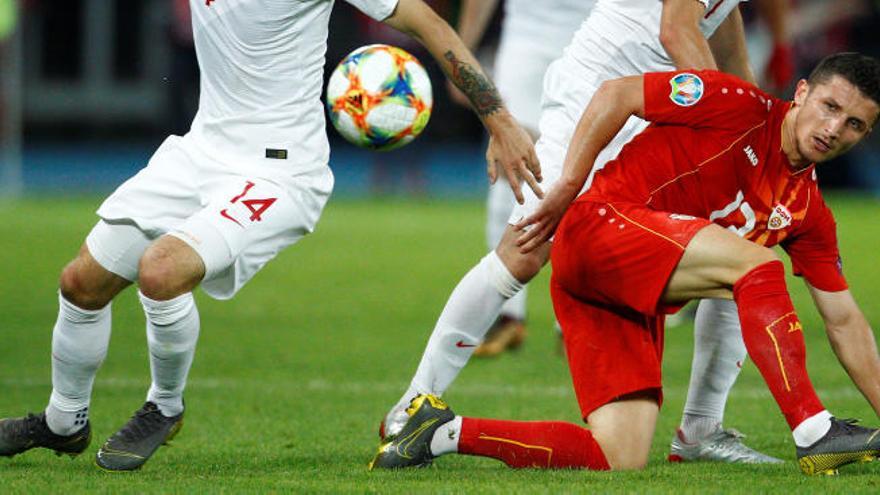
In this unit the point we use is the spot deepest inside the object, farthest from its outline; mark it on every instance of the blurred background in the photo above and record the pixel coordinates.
(89, 88)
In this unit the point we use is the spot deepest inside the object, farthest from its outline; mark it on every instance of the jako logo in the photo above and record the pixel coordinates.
(752, 156)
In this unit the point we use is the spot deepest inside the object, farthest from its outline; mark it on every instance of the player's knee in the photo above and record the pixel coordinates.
(168, 269)
(753, 257)
(622, 452)
(159, 277)
(76, 286)
(523, 266)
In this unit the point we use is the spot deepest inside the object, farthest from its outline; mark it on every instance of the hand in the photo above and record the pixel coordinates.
(780, 67)
(511, 147)
(544, 220)
(457, 96)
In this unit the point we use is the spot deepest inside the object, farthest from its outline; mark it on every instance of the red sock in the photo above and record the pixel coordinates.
(532, 444)
(774, 338)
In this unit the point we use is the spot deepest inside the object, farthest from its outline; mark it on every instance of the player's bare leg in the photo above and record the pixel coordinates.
(472, 307)
(717, 263)
(624, 430)
(87, 284)
(169, 270)
(79, 344)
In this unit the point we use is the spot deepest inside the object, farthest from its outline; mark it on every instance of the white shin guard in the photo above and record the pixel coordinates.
(79, 345)
(172, 333)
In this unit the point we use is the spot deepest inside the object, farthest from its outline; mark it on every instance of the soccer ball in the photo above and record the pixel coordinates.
(379, 97)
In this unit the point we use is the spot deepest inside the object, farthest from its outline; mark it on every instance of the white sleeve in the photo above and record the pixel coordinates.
(377, 9)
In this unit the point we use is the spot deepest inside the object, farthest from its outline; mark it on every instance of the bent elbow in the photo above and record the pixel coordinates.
(670, 38)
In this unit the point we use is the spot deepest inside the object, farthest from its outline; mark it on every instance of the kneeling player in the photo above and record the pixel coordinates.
(689, 210)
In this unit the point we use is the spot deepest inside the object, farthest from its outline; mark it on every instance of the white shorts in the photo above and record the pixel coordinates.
(520, 66)
(565, 98)
(235, 217)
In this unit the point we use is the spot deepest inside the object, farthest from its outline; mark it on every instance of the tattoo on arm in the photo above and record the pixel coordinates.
(483, 95)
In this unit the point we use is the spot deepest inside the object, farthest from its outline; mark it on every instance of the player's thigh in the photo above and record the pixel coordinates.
(712, 262)
(118, 247)
(620, 254)
(624, 430)
(612, 352)
(247, 223)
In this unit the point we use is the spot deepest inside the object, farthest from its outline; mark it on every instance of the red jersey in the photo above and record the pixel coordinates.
(714, 150)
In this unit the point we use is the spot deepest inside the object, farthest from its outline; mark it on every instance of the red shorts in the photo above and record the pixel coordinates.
(611, 264)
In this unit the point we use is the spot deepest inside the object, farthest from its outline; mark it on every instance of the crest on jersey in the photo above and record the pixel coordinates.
(780, 218)
(687, 89)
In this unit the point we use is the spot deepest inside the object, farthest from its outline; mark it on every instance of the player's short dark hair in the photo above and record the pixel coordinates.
(860, 70)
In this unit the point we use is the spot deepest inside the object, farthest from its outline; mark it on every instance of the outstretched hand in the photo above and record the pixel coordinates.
(511, 148)
(544, 220)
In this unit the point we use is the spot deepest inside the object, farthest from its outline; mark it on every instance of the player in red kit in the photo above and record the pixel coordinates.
(689, 209)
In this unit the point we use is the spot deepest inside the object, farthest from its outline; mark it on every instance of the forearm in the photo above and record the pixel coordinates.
(681, 37)
(856, 349)
(418, 20)
(728, 46)
(473, 19)
(604, 117)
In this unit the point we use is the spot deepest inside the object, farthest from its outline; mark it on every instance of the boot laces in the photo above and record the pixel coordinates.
(145, 421)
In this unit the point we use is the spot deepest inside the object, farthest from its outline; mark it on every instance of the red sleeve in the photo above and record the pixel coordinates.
(813, 249)
(705, 98)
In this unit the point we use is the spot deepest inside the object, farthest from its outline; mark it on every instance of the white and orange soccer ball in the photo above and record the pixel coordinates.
(379, 97)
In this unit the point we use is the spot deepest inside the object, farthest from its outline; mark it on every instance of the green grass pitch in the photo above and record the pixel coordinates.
(292, 376)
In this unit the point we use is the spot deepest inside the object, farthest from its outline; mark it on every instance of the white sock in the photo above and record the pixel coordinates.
(445, 439)
(471, 309)
(812, 429)
(515, 307)
(172, 332)
(79, 345)
(719, 352)
(696, 428)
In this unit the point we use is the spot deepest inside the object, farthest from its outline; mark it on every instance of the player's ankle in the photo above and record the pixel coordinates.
(812, 429)
(696, 427)
(446, 437)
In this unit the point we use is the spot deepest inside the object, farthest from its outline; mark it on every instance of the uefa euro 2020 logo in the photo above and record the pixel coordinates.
(687, 89)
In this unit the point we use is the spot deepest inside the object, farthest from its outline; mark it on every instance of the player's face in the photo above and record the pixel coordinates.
(832, 118)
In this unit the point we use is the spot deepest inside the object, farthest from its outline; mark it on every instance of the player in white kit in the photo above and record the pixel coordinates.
(533, 34)
(619, 38)
(214, 206)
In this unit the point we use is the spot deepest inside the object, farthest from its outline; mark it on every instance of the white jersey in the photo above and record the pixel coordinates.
(261, 67)
(622, 38)
(533, 35)
(619, 38)
(547, 24)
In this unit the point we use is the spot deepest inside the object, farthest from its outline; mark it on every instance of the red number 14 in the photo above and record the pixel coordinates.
(256, 206)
